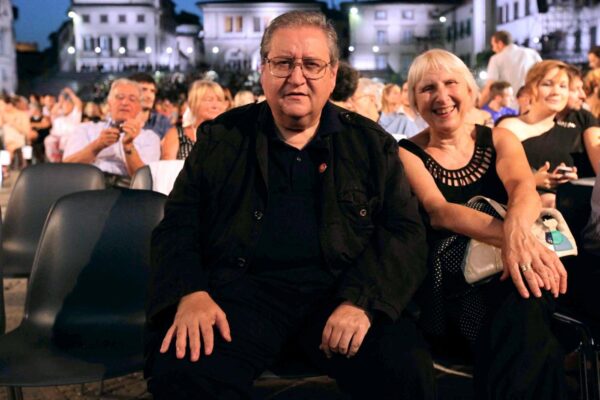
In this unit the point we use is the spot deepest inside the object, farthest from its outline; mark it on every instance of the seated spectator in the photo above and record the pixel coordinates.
(549, 146)
(120, 146)
(393, 121)
(523, 100)
(205, 102)
(16, 127)
(365, 99)
(168, 108)
(501, 96)
(243, 97)
(41, 125)
(506, 321)
(91, 112)
(66, 117)
(346, 82)
(408, 111)
(152, 120)
(586, 154)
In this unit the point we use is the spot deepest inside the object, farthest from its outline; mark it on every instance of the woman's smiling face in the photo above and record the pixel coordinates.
(443, 99)
(553, 90)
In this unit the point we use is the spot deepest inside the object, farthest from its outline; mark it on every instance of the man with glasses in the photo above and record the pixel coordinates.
(292, 223)
(119, 146)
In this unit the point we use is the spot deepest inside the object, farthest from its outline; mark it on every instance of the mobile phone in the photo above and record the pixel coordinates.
(117, 124)
(564, 170)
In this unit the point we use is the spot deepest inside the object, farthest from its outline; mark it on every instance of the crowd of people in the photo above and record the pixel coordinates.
(311, 210)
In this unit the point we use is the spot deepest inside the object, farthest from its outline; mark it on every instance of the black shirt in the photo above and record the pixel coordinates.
(288, 250)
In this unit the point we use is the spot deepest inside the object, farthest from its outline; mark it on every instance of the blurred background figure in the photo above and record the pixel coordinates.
(406, 109)
(365, 99)
(150, 119)
(16, 128)
(523, 100)
(501, 97)
(346, 82)
(243, 97)
(205, 102)
(91, 112)
(66, 117)
(40, 124)
(391, 119)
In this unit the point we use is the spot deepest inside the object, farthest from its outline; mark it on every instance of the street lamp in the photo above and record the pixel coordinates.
(353, 11)
(72, 14)
(375, 49)
(351, 49)
(169, 50)
(97, 50)
(215, 50)
(190, 50)
(148, 50)
(71, 50)
(443, 19)
(122, 50)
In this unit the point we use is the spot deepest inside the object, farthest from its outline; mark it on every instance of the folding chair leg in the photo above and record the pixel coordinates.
(14, 393)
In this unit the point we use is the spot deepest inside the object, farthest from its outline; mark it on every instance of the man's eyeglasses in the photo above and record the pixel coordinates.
(282, 67)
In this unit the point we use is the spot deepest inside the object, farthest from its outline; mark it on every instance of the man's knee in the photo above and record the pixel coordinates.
(395, 364)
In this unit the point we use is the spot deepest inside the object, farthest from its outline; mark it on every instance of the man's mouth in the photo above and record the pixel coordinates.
(443, 111)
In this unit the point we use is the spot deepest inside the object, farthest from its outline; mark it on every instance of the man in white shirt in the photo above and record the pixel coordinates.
(510, 63)
(120, 146)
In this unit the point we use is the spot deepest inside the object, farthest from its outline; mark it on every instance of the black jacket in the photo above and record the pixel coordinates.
(370, 231)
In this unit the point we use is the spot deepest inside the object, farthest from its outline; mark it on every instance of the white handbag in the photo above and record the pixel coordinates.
(482, 260)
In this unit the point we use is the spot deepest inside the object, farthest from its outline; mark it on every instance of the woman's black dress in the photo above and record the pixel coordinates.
(515, 353)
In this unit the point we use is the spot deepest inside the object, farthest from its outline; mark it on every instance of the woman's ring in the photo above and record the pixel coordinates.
(524, 267)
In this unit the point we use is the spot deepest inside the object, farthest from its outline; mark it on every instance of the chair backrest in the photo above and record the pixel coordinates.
(142, 179)
(34, 192)
(90, 271)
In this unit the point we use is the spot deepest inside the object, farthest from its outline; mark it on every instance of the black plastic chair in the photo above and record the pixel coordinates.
(84, 312)
(573, 201)
(34, 192)
(142, 179)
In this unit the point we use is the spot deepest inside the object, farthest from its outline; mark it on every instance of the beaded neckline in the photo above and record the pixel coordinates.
(476, 168)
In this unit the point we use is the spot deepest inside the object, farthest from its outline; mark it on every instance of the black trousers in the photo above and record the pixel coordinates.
(392, 363)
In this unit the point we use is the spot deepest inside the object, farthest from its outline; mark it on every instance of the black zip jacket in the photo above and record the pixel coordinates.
(371, 235)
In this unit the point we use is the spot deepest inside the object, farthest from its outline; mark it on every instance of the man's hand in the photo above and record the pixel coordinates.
(196, 315)
(131, 129)
(345, 330)
(106, 138)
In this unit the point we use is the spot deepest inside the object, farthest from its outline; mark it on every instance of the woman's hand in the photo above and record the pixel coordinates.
(527, 260)
(563, 174)
(542, 177)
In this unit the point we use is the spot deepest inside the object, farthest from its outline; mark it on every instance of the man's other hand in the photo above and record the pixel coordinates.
(196, 315)
(345, 330)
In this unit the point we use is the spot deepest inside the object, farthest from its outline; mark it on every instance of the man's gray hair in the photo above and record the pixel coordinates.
(121, 82)
(297, 19)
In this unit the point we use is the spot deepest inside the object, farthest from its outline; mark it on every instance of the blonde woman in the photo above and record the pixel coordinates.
(505, 322)
(205, 101)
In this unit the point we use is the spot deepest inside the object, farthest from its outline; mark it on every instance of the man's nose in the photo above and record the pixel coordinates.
(297, 75)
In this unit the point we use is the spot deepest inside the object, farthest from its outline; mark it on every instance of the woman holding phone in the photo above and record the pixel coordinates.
(549, 146)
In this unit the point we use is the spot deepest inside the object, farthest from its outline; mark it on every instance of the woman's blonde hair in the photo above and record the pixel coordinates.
(387, 89)
(438, 60)
(537, 73)
(199, 89)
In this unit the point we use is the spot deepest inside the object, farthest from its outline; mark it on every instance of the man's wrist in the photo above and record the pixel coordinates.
(128, 148)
